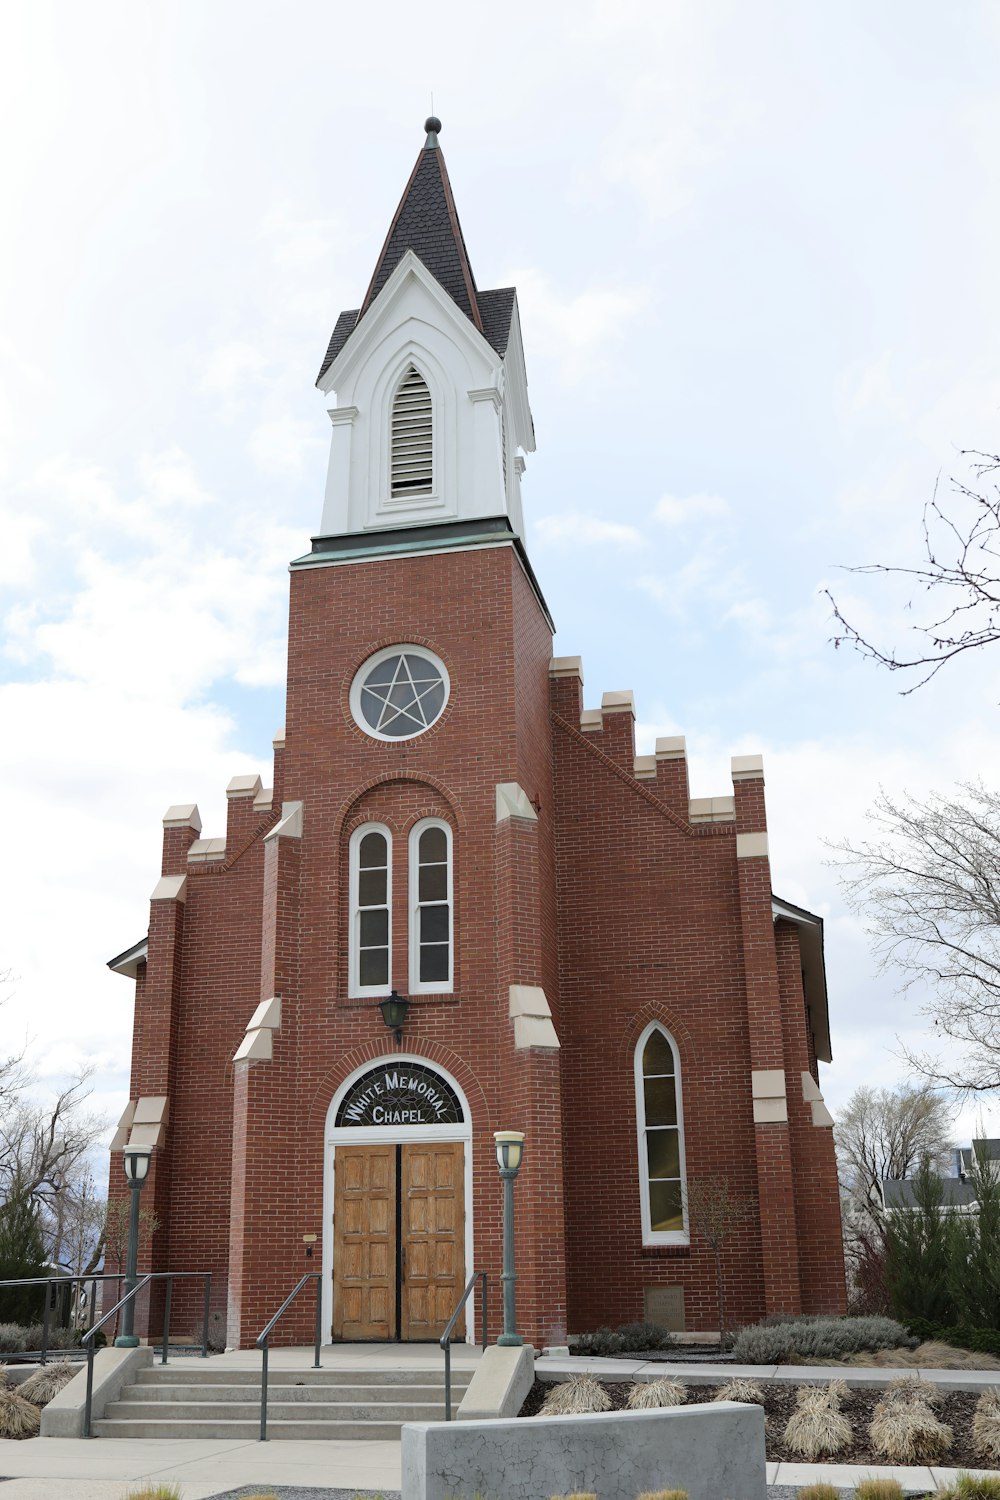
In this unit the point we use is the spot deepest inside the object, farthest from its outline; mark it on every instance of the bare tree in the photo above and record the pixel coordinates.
(958, 579)
(715, 1212)
(887, 1133)
(927, 884)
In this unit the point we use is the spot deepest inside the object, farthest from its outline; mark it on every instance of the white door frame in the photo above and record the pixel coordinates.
(393, 1135)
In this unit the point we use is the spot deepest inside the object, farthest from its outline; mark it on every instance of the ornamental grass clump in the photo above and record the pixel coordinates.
(645, 1394)
(877, 1489)
(819, 1492)
(573, 1397)
(906, 1433)
(971, 1487)
(18, 1418)
(47, 1382)
(986, 1427)
(663, 1495)
(907, 1389)
(817, 1428)
(740, 1389)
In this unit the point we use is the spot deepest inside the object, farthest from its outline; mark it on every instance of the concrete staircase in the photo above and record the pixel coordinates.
(168, 1401)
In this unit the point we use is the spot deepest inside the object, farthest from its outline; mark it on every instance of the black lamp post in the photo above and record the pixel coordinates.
(136, 1161)
(510, 1151)
(395, 1009)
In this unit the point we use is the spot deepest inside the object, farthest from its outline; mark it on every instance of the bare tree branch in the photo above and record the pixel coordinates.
(960, 574)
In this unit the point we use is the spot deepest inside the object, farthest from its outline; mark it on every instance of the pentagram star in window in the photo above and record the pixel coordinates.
(399, 692)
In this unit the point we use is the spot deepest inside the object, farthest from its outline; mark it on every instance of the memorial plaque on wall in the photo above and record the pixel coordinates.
(400, 1094)
(665, 1305)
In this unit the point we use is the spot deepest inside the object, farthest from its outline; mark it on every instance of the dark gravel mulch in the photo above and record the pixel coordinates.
(779, 1403)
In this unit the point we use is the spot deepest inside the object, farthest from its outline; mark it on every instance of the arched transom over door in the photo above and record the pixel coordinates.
(398, 1204)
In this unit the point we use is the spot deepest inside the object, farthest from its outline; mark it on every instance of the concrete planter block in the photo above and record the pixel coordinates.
(712, 1451)
(502, 1379)
(113, 1369)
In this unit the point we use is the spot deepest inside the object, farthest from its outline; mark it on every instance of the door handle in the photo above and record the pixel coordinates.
(402, 1265)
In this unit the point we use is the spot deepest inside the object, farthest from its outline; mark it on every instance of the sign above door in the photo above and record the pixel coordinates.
(400, 1094)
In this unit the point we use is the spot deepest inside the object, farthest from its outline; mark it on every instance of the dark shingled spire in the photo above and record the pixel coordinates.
(426, 223)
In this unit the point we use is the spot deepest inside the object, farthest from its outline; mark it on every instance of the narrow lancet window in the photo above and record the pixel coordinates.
(661, 1138)
(371, 925)
(430, 907)
(412, 438)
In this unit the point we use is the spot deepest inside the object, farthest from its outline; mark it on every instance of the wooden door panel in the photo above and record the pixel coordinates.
(364, 1243)
(432, 1190)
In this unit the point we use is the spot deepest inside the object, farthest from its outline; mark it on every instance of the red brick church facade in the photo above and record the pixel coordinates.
(590, 956)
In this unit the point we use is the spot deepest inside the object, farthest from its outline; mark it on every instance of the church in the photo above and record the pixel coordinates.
(466, 905)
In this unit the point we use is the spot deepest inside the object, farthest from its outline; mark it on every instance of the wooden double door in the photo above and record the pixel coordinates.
(398, 1240)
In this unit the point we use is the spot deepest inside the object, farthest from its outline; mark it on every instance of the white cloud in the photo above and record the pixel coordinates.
(576, 331)
(683, 510)
(572, 529)
(232, 369)
(281, 445)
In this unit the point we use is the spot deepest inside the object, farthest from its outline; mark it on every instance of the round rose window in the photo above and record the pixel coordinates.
(399, 692)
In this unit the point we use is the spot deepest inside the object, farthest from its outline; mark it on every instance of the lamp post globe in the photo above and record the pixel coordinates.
(510, 1154)
(136, 1161)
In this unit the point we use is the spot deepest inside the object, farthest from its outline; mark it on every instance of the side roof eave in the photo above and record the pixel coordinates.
(813, 970)
(127, 963)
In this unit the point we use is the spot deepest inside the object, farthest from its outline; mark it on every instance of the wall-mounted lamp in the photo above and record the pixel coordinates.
(395, 1009)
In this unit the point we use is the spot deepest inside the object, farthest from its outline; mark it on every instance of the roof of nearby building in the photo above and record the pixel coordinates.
(127, 963)
(426, 222)
(985, 1147)
(813, 970)
(955, 1193)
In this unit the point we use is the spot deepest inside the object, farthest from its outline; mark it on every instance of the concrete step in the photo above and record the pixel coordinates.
(241, 1411)
(249, 1430)
(358, 1395)
(208, 1374)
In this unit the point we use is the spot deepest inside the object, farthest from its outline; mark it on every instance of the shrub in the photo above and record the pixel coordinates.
(978, 1340)
(817, 1430)
(908, 1434)
(13, 1338)
(640, 1336)
(605, 1341)
(986, 1426)
(740, 1389)
(817, 1338)
(819, 1492)
(47, 1382)
(877, 1489)
(18, 1418)
(649, 1393)
(581, 1394)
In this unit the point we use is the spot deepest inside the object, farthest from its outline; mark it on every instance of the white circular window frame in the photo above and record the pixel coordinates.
(376, 660)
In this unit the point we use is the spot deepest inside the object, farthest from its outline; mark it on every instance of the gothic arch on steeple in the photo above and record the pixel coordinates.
(411, 437)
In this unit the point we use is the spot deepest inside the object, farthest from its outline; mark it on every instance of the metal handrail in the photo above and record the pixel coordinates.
(87, 1340)
(54, 1281)
(445, 1339)
(265, 1334)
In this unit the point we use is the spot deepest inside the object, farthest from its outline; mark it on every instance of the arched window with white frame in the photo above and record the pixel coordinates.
(411, 441)
(370, 944)
(660, 1120)
(431, 907)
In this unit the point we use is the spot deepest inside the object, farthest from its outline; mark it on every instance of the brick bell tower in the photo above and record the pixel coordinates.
(411, 848)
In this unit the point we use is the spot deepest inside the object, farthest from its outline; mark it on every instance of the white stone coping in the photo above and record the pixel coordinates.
(183, 815)
(671, 747)
(768, 1083)
(279, 738)
(747, 767)
(170, 888)
(566, 666)
(620, 701)
(264, 798)
(244, 786)
(644, 767)
(203, 850)
(591, 719)
(290, 824)
(532, 1016)
(711, 810)
(512, 802)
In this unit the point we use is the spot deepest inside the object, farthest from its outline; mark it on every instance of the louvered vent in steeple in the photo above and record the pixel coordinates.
(412, 468)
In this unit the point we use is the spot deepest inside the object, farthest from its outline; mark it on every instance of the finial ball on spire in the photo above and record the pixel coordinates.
(432, 125)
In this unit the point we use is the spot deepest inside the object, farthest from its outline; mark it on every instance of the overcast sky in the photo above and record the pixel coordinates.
(756, 251)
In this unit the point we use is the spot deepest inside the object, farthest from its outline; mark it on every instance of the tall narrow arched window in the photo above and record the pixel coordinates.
(411, 443)
(370, 943)
(431, 906)
(661, 1138)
